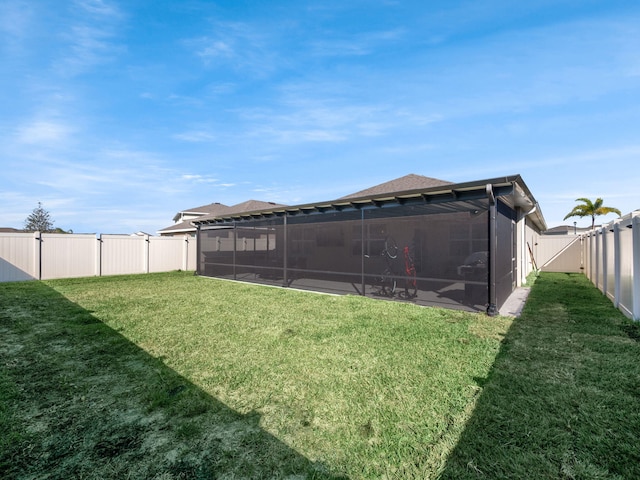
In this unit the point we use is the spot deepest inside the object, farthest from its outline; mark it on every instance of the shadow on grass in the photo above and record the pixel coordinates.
(79, 400)
(563, 397)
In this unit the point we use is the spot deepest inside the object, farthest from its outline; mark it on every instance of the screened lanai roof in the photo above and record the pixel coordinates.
(511, 189)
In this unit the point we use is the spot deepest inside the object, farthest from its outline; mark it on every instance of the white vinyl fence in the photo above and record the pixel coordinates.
(42, 256)
(611, 259)
(559, 253)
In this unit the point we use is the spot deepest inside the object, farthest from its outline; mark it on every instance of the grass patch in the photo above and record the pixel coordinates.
(563, 398)
(173, 376)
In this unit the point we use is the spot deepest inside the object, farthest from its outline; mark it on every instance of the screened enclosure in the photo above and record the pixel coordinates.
(455, 252)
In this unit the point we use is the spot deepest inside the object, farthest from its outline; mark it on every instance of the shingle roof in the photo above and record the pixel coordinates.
(210, 208)
(179, 227)
(408, 182)
(248, 206)
(204, 210)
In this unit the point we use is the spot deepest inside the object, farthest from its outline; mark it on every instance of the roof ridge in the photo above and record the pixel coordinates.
(411, 181)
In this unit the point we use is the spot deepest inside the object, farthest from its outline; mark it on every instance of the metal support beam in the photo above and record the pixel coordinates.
(285, 273)
(492, 303)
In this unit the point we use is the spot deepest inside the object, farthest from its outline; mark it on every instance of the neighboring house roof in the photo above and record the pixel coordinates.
(182, 227)
(215, 210)
(215, 207)
(408, 182)
(10, 230)
(244, 207)
(185, 226)
(566, 230)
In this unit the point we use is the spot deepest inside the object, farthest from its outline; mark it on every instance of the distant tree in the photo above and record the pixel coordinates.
(591, 209)
(39, 220)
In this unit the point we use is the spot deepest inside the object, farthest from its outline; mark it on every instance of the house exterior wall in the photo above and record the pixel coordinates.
(527, 244)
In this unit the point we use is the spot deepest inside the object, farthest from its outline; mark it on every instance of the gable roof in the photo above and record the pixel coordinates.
(244, 207)
(183, 227)
(402, 184)
(215, 207)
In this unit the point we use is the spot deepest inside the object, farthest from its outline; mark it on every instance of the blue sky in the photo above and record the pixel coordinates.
(118, 114)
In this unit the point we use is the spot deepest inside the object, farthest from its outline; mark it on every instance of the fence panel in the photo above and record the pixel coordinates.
(609, 263)
(68, 256)
(626, 271)
(35, 256)
(122, 254)
(559, 253)
(613, 253)
(166, 254)
(17, 257)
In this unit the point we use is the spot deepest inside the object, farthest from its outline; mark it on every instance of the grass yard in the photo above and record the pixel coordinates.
(172, 376)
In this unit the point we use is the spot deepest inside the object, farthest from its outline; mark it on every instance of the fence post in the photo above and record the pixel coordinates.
(146, 252)
(596, 258)
(37, 256)
(616, 263)
(605, 262)
(591, 247)
(98, 258)
(185, 253)
(635, 227)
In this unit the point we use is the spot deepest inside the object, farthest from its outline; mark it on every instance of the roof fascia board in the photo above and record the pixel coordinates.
(502, 187)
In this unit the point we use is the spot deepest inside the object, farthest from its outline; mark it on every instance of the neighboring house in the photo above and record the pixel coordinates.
(414, 238)
(10, 230)
(183, 219)
(568, 230)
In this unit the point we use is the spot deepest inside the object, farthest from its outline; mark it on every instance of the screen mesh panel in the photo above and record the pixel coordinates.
(426, 254)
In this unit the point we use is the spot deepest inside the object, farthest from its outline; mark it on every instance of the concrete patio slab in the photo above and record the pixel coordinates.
(515, 303)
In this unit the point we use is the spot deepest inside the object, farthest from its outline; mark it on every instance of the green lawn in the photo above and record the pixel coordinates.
(174, 376)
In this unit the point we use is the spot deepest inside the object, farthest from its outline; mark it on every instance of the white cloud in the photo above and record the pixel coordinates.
(355, 45)
(15, 24)
(238, 45)
(206, 179)
(44, 132)
(195, 136)
(99, 8)
(90, 37)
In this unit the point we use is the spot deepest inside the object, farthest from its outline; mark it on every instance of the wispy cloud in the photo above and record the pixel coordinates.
(196, 136)
(99, 8)
(206, 179)
(15, 24)
(91, 37)
(306, 114)
(237, 45)
(358, 44)
(44, 132)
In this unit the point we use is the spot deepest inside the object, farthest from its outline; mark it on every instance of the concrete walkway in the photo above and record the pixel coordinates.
(515, 303)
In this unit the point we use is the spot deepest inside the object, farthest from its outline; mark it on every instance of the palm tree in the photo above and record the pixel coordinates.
(591, 209)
